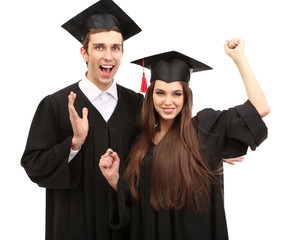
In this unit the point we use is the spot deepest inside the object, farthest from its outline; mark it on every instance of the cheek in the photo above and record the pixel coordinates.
(180, 104)
(156, 101)
(93, 59)
(118, 59)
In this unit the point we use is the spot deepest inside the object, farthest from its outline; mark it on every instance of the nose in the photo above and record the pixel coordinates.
(168, 100)
(107, 55)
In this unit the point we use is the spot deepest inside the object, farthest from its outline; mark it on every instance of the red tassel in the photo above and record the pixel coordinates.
(144, 88)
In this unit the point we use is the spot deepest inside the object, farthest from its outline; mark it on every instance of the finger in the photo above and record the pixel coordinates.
(103, 165)
(226, 43)
(232, 45)
(85, 113)
(73, 113)
(229, 162)
(72, 96)
(226, 46)
(106, 156)
(237, 159)
(232, 161)
(105, 162)
(110, 151)
(115, 157)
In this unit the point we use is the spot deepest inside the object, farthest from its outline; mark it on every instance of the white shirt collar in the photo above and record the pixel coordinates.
(91, 91)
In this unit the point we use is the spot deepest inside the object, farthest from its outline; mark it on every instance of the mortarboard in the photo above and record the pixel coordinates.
(103, 14)
(171, 66)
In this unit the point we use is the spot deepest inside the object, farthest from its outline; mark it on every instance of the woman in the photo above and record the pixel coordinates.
(172, 185)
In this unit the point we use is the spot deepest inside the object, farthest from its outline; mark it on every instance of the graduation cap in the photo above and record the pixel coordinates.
(169, 67)
(103, 14)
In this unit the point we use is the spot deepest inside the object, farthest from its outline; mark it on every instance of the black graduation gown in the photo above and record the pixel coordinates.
(223, 134)
(77, 192)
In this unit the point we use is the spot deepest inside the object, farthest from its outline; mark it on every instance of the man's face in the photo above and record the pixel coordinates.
(103, 57)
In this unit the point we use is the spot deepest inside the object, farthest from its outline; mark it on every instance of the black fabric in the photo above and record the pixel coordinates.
(171, 66)
(104, 14)
(223, 134)
(77, 192)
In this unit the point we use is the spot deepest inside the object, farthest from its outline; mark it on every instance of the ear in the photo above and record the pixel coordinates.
(84, 54)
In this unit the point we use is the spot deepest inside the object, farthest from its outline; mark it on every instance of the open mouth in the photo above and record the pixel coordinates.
(106, 69)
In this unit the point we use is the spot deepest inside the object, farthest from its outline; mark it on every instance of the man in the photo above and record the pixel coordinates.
(63, 149)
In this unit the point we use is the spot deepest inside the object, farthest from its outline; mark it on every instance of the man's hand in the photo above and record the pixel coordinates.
(80, 125)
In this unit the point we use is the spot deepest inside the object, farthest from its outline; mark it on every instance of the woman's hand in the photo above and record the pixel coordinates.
(234, 48)
(109, 166)
(232, 161)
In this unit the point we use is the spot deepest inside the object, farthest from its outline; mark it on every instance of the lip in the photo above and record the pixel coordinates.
(106, 69)
(168, 110)
(107, 65)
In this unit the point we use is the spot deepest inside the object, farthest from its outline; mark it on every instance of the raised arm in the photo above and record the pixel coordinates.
(79, 125)
(48, 148)
(235, 49)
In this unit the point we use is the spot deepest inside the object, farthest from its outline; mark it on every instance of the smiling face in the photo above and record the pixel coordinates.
(168, 100)
(103, 57)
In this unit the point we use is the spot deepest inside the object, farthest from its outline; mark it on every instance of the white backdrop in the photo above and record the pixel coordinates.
(38, 57)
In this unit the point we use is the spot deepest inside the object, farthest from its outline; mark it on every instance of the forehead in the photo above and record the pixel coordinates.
(109, 37)
(172, 86)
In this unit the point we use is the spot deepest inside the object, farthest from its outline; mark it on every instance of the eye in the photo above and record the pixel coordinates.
(116, 49)
(177, 94)
(98, 48)
(159, 93)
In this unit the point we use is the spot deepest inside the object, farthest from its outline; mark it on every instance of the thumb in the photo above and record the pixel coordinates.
(226, 46)
(114, 155)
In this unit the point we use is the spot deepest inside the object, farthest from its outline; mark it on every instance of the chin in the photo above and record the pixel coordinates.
(168, 118)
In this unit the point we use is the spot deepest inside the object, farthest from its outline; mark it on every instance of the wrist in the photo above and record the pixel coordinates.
(76, 144)
(239, 58)
(114, 182)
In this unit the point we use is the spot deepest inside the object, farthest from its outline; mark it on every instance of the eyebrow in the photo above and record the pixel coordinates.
(177, 90)
(103, 44)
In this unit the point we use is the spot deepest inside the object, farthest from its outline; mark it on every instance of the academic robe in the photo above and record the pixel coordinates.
(77, 192)
(222, 134)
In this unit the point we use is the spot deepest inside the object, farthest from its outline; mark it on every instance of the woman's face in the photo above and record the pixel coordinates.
(168, 99)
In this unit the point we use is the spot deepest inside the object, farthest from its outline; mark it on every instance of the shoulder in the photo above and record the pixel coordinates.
(206, 118)
(62, 94)
(209, 117)
(123, 91)
(129, 95)
(58, 98)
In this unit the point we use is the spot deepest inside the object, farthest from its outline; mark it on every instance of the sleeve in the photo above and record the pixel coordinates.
(72, 154)
(45, 158)
(120, 205)
(229, 133)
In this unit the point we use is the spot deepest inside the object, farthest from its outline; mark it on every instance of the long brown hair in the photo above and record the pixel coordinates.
(179, 173)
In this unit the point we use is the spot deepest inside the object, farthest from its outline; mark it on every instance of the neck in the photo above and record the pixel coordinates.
(103, 86)
(164, 126)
